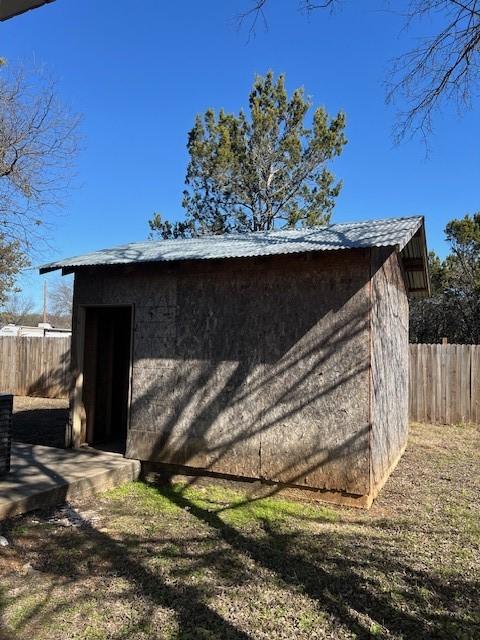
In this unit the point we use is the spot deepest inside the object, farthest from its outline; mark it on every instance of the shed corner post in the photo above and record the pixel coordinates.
(77, 409)
(371, 398)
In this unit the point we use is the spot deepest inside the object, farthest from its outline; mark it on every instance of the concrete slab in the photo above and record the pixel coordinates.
(46, 476)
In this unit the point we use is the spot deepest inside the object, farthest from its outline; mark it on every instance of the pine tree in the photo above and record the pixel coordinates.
(262, 171)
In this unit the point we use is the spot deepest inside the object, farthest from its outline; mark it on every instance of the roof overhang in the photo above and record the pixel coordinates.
(404, 235)
(414, 258)
(11, 8)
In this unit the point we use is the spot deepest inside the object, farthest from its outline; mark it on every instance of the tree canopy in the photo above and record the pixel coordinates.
(261, 171)
(453, 311)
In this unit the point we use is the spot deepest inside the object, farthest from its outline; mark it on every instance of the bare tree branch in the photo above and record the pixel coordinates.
(256, 14)
(443, 68)
(61, 297)
(38, 144)
(17, 308)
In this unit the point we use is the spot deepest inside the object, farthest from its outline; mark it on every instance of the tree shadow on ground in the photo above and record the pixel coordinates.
(357, 579)
(42, 426)
(329, 568)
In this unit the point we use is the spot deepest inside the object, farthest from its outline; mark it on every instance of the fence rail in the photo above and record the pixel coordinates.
(445, 383)
(33, 366)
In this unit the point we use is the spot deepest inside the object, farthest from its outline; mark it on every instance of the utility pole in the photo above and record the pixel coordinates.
(45, 298)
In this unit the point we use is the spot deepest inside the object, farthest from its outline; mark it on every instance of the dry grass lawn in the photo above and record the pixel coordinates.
(144, 562)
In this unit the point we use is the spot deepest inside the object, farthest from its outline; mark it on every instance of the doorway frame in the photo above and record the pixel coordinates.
(78, 436)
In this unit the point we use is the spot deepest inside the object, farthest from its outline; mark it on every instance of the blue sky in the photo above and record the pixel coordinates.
(139, 72)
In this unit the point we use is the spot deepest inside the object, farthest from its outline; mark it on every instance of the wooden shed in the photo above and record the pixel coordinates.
(281, 356)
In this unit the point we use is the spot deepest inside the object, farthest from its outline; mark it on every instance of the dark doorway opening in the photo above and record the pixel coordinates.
(106, 376)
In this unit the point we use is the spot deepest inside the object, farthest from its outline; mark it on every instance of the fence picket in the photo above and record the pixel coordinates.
(35, 366)
(445, 383)
(475, 385)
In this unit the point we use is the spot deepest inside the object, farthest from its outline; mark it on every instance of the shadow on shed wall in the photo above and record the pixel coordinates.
(256, 368)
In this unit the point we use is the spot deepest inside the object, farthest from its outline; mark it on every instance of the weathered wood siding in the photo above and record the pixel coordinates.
(35, 366)
(389, 346)
(445, 383)
(254, 367)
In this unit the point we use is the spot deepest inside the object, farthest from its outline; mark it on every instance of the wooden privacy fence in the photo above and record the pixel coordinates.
(444, 378)
(445, 383)
(35, 366)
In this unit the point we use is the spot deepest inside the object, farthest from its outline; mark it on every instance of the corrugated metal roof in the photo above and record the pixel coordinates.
(390, 232)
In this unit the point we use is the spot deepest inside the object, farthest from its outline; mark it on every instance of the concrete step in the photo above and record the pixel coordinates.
(46, 476)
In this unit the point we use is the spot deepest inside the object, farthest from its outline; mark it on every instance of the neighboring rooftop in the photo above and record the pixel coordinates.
(43, 329)
(407, 235)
